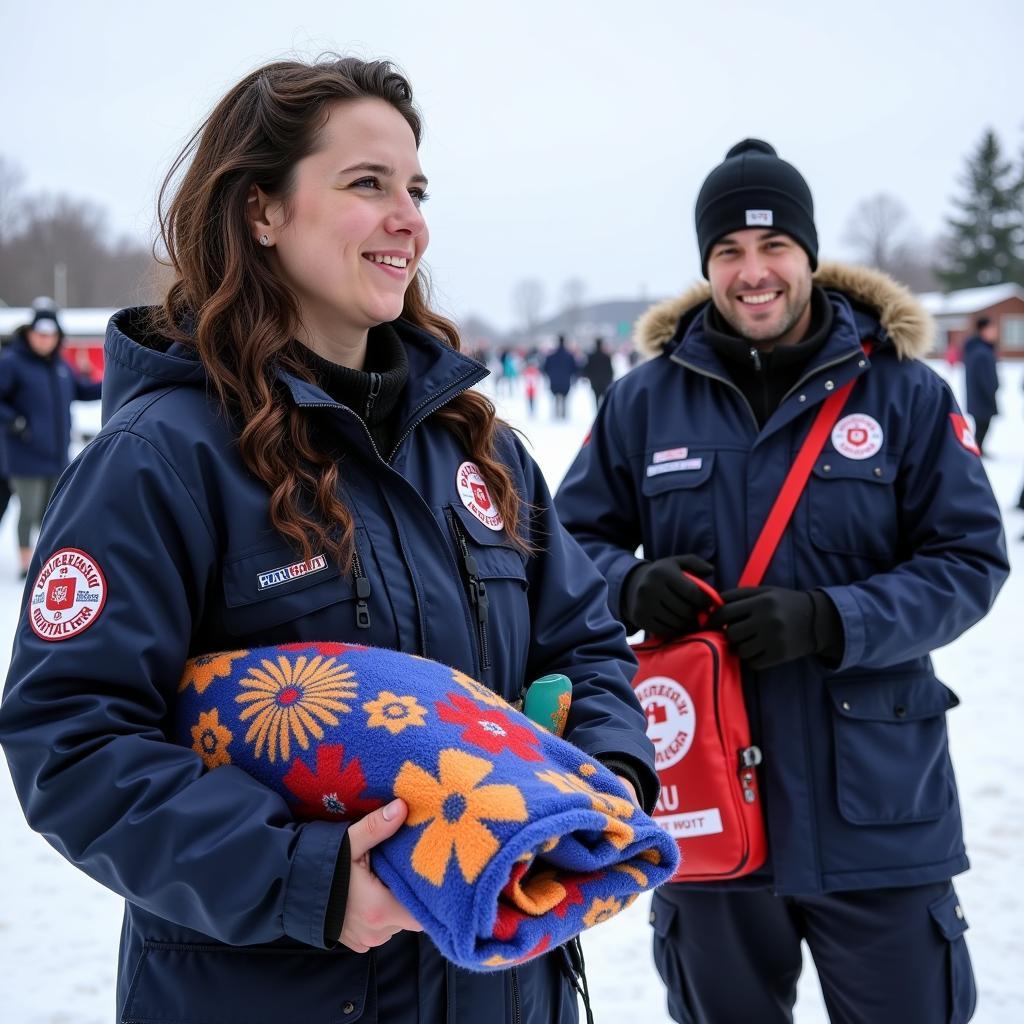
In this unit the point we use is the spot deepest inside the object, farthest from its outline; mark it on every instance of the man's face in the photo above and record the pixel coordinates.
(42, 343)
(990, 333)
(761, 284)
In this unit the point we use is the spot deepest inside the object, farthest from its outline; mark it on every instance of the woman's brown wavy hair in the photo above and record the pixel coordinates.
(242, 319)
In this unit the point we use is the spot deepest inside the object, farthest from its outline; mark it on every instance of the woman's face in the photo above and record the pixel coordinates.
(350, 236)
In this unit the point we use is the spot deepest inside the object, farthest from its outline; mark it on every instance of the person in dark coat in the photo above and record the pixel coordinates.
(895, 548)
(982, 377)
(560, 368)
(37, 387)
(598, 370)
(292, 452)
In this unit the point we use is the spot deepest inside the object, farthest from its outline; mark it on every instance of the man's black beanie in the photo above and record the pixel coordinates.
(753, 188)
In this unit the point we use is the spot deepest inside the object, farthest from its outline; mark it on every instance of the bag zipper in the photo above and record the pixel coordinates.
(362, 583)
(476, 588)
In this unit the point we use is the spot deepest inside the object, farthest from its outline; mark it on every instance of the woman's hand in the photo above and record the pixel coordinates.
(372, 914)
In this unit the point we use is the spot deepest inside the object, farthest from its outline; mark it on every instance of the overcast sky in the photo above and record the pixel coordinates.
(563, 140)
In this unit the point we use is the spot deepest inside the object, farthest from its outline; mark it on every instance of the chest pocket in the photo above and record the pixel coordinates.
(503, 627)
(273, 587)
(680, 505)
(852, 506)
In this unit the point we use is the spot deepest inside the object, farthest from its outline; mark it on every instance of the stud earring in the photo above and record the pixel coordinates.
(264, 239)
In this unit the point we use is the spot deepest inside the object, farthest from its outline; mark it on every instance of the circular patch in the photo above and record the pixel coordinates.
(857, 436)
(671, 719)
(68, 595)
(475, 496)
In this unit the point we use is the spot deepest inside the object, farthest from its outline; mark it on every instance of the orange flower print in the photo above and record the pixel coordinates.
(201, 671)
(478, 690)
(210, 739)
(600, 910)
(454, 805)
(290, 699)
(393, 712)
(614, 808)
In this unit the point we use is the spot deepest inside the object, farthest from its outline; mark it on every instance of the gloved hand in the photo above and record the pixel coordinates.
(768, 626)
(19, 428)
(659, 599)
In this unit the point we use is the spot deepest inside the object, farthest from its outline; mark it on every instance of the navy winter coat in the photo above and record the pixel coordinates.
(560, 368)
(981, 378)
(897, 525)
(42, 390)
(227, 894)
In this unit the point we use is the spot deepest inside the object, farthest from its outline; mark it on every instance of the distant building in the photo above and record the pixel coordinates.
(956, 312)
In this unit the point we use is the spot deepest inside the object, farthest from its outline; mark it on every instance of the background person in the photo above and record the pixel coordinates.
(895, 548)
(598, 370)
(982, 377)
(560, 368)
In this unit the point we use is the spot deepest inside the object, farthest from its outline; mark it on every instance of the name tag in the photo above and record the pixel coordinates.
(670, 455)
(678, 466)
(276, 577)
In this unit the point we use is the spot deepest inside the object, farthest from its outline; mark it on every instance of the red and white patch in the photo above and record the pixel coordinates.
(671, 719)
(475, 496)
(964, 434)
(857, 436)
(68, 595)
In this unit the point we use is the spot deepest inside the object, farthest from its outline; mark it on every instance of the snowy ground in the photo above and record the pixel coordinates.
(59, 930)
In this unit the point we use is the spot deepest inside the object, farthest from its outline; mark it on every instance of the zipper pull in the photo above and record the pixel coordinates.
(750, 758)
(362, 592)
(755, 358)
(376, 383)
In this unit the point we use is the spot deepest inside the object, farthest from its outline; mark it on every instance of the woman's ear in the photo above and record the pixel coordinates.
(263, 214)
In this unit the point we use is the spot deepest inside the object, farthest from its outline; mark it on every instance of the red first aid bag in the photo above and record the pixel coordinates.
(691, 690)
(692, 693)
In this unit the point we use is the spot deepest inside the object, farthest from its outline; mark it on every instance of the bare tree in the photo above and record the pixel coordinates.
(877, 231)
(11, 178)
(527, 301)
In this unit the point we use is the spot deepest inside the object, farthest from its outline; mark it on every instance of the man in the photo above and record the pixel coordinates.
(981, 377)
(560, 368)
(895, 548)
(599, 371)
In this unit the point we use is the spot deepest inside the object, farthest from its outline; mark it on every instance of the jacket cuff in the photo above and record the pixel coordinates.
(852, 625)
(335, 917)
(311, 880)
(828, 628)
(628, 768)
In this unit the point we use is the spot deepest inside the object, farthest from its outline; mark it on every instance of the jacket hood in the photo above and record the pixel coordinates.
(910, 329)
(137, 360)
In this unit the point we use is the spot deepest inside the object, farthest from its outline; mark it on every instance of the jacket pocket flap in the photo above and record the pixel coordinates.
(272, 573)
(891, 699)
(949, 915)
(676, 474)
(838, 467)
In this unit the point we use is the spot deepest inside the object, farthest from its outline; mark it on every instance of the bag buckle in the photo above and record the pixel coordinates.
(750, 757)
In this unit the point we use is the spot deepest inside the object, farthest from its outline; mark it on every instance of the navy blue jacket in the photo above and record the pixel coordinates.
(982, 378)
(907, 543)
(42, 390)
(227, 894)
(560, 368)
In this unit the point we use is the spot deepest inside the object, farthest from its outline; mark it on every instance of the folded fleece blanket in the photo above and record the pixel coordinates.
(515, 841)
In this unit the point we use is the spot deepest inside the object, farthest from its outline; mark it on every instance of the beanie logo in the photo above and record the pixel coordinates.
(759, 218)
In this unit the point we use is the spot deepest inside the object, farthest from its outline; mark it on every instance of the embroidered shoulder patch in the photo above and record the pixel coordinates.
(68, 595)
(474, 494)
(963, 432)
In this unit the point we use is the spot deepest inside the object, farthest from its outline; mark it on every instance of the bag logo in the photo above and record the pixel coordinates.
(759, 218)
(275, 577)
(671, 719)
(964, 434)
(857, 436)
(476, 497)
(68, 595)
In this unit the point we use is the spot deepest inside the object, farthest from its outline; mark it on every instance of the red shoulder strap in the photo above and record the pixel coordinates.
(792, 487)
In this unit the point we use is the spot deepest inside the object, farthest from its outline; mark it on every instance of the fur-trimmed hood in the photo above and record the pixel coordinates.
(910, 329)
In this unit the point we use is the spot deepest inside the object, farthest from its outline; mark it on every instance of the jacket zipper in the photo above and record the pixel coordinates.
(362, 583)
(476, 588)
(376, 382)
(517, 1016)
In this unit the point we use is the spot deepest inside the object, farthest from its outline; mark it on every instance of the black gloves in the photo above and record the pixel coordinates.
(659, 599)
(768, 626)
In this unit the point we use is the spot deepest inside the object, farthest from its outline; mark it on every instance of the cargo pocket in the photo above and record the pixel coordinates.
(179, 983)
(681, 501)
(665, 922)
(852, 506)
(891, 748)
(948, 915)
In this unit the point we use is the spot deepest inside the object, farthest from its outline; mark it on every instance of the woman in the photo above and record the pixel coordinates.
(291, 453)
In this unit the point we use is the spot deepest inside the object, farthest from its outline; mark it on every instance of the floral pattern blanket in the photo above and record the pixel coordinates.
(515, 842)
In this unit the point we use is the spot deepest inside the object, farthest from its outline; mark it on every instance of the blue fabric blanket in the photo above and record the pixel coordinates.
(515, 841)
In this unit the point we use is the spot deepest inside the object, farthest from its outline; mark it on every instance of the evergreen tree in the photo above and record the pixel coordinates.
(986, 233)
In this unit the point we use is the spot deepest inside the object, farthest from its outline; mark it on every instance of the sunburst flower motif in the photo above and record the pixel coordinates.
(394, 712)
(454, 807)
(210, 739)
(600, 910)
(289, 699)
(479, 691)
(202, 670)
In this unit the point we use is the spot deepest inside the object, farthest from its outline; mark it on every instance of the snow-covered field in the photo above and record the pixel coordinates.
(59, 929)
